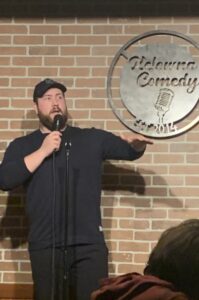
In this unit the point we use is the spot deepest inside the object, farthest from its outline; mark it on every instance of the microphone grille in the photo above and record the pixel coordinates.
(58, 122)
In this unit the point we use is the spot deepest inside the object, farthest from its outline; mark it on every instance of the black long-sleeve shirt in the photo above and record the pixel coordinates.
(89, 148)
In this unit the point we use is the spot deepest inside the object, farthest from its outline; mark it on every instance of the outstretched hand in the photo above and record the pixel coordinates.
(137, 141)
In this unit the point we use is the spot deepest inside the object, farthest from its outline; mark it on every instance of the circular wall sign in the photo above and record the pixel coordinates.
(158, 88)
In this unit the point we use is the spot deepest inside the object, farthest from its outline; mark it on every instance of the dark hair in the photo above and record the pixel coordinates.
(175, 258)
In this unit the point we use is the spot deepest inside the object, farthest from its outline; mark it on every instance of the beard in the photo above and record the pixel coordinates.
(48, 122)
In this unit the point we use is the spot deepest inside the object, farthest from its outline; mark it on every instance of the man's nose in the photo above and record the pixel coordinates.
(55, 101)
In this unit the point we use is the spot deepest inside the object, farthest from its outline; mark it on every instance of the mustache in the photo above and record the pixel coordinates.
(56, 110)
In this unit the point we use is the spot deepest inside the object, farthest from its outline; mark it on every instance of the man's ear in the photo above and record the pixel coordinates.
(35, 106)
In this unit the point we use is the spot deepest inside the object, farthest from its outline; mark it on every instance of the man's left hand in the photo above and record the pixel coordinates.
(137, 141)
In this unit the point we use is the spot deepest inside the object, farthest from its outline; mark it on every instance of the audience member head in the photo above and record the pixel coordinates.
(175, 258)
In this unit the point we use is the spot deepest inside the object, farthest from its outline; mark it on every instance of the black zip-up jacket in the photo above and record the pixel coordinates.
(89, 148)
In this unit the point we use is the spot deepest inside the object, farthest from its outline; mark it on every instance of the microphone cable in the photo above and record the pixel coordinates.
(66, 292)
(56, 126)
(53, 227)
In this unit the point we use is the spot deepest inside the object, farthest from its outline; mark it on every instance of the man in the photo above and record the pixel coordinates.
(171, 273)
(60, 168)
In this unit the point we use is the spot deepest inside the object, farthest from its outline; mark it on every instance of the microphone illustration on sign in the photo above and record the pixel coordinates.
(163, 103)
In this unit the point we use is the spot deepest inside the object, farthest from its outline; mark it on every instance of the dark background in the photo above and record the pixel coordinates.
(98, 8)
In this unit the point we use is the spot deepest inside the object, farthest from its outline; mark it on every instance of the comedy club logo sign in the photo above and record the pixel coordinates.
(153, 84)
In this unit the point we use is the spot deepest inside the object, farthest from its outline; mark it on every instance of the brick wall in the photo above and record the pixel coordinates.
(139, 199)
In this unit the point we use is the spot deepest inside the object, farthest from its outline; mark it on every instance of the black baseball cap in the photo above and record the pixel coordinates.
(44, 86)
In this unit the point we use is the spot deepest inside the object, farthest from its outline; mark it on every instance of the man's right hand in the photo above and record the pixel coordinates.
(51, 143)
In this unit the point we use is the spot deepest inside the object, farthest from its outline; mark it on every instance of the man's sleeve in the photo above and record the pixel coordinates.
(116, 148)
(13, 171)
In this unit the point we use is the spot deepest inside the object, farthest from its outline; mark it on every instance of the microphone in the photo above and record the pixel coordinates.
(58, 123)
(163, 103)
